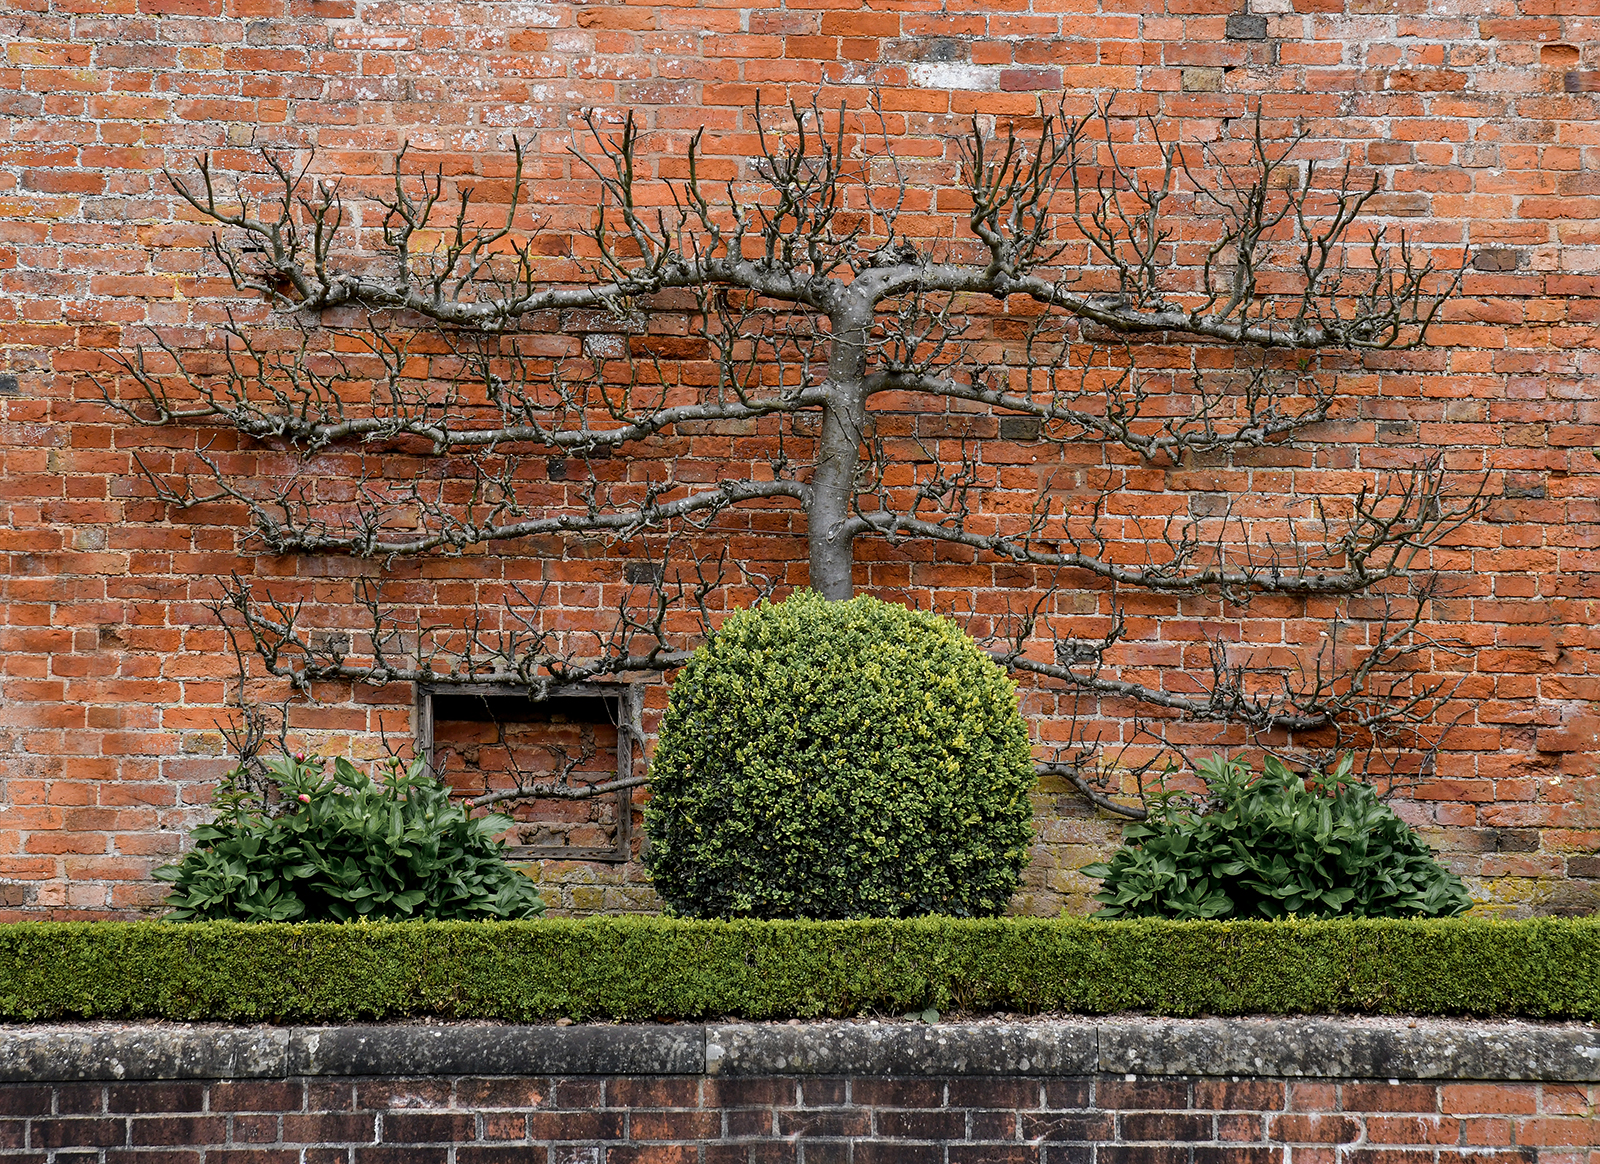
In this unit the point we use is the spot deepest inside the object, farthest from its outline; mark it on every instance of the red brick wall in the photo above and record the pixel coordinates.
(111, 670)
(864, 1120)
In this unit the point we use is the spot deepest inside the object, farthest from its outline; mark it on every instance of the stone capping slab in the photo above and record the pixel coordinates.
(1329, 1048)
(845, 1048)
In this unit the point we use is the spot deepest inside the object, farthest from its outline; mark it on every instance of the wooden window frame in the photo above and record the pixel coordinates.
(626, 699)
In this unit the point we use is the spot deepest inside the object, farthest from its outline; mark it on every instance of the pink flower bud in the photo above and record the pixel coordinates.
(304, 799)
(299, 757)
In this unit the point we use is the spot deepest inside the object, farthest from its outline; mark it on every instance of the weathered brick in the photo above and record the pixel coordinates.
(276, 1095)
(920, 1125)
(674, 1125)
(1164, 1126)
(1079, 1127)
(653, 1091)
(89, 1132)
(404, 1127)
(1116, 1093)
(393, 1094)
(1314, 1129)
(882, 1152)
(522, 1154)
(914, 1093)
(575, 1125)
(1247, 1095)
(155, 1097)
(508, 1092)
(330, 1128)
(25, 1099)
(170, 1129)
(1417, 1097)
(1015, 1094)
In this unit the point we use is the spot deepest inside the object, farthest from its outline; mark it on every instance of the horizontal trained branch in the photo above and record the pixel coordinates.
(788, 351)
(781, 236)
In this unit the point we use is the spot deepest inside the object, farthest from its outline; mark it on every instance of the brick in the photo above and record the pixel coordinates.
(992, 1125)
(1164, 1126)
(1076, 1127)
(1246, 1095)
(1141, 1154)
(916, 1125)
(993, 1093)
(521, 1154)
(254, 1128)
(575, 1125)
(1243, 26)
(654, 1091)
(407, 1155)
(1067, 1093)
(913, 1093)
(654, 1154)
(257, 1095)
(577, 1094)
(329, 1095)
(172, 1129)
(1414, 1130)
(330, 1128)
(674, 1125)
(1565, 1099)
(1236, 1154)
(155, 1097)
(1314, 1129)
(404, 1127)
(478, 1094)
(1313, 1097)
(24, 1100)
(1417, 1097)
(883, 1152)
(79, 1098)
(518, 1154)
(742, 1123)
(1241, 1127)
(992, 1154)
(822, 1091)
(78, 1133)
(1555, 1131)
(403, 1093)
(1115, 1093)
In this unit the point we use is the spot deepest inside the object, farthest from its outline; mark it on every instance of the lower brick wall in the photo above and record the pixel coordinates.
(679, 1120)
(998, 1117)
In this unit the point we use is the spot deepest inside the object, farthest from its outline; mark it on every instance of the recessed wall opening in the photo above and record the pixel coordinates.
(486, 739)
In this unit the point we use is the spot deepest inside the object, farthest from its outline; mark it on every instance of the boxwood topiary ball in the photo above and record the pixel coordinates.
(839, 759)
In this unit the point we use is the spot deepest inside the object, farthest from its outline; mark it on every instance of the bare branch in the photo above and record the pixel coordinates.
(493, 386)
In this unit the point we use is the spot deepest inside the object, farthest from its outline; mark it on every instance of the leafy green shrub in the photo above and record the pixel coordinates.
(839, 759)
(347, 847)
(1272, 846)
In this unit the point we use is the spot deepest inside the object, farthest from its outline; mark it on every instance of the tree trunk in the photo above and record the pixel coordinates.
(830, 520)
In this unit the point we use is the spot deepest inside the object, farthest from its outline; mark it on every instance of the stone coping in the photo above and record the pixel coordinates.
(1331, 1048)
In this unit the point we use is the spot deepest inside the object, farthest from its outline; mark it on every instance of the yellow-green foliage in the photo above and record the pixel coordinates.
(647, 968)
(839, 759)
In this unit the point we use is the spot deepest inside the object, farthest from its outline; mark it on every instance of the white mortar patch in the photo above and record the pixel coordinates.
(953, 75)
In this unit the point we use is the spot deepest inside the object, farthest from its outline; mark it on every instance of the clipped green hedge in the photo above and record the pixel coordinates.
(648, 968)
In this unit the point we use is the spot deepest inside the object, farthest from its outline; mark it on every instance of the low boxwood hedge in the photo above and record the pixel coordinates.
(655, 968)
